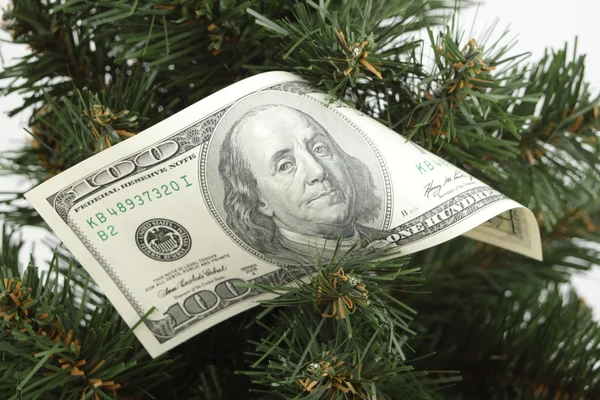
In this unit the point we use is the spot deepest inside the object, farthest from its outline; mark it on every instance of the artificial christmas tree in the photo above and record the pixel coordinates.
(462, 320)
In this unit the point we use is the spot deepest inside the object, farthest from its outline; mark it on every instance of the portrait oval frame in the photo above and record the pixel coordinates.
(295, 95)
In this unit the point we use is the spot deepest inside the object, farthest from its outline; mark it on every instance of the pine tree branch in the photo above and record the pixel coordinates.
(531, 343)
(49, 349)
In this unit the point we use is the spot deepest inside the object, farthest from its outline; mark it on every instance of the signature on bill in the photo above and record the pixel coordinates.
(434, 188)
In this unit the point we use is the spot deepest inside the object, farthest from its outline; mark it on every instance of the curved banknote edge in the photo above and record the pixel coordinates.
(248, 185)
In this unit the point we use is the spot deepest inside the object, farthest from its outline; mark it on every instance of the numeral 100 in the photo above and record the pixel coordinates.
(123, 168)
(204, 300)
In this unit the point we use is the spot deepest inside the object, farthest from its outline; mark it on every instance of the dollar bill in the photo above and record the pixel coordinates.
(248, 185)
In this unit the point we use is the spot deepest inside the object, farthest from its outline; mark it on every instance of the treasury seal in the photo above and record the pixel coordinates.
(163, 240)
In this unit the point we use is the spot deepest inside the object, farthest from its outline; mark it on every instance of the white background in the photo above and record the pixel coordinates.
(537, 24)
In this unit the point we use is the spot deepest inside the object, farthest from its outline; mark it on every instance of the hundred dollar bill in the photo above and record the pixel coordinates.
(265, 170)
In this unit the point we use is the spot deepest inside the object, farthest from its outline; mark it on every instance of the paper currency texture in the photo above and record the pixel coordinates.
(248, 185)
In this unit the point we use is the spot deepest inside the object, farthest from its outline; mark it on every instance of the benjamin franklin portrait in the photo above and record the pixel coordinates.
(289, 188)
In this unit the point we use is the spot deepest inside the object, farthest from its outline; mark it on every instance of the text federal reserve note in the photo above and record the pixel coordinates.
(262, 171)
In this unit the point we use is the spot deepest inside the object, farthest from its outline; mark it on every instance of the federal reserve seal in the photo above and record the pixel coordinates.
(163, 240)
